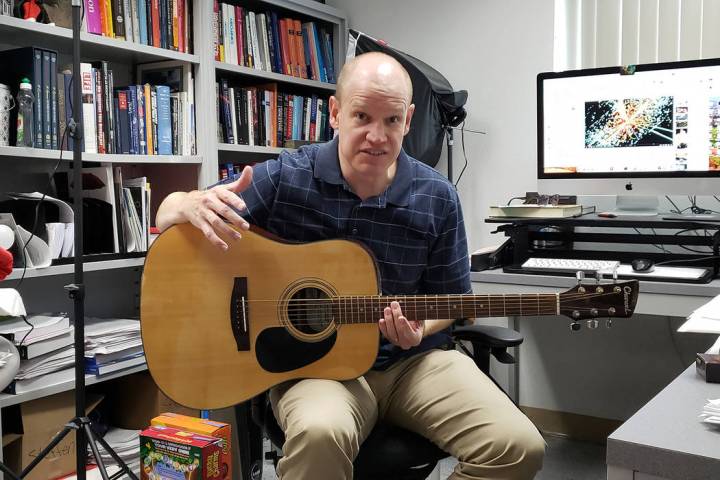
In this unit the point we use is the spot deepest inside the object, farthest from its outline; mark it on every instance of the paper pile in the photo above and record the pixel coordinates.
(126, 444)
(711, 412)
(705, 319)
(112, 344)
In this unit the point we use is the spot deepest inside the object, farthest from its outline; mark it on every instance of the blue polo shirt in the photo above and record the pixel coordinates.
(414, 228)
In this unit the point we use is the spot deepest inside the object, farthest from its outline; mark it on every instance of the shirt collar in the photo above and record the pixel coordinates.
(327, 169)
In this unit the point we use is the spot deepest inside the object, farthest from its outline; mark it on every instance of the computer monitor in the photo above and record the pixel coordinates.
(643, 129)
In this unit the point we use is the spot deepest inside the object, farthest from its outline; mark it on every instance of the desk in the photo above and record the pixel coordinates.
(665, 439)
(604, 374)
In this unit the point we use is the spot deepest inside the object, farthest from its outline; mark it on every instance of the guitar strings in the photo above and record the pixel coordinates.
(549, 302)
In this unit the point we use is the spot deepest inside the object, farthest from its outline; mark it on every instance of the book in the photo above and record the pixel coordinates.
(536, 211)
(35, 348)
(114, 366)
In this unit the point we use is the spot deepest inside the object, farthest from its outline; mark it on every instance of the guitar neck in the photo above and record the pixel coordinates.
(369, 309)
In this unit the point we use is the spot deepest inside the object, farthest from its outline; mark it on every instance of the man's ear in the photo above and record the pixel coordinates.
(408, 117)
(334, 112)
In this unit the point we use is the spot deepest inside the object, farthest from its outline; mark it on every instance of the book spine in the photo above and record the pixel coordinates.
(99, 111)
(142, 129)
(46, 109)
(142, 20)
(92, 14)
(123, 122)
(165, 143)
(61, 119)
(54, 120)
(133, 120)
(118, 16)
(39, 95)
(88, 99)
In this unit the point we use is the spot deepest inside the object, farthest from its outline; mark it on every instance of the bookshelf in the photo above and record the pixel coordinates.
(333, 20)
(114, 283)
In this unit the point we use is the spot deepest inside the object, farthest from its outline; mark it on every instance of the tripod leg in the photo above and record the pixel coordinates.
(124, 469)
(57, 439)
(8, 473)
(89, 435)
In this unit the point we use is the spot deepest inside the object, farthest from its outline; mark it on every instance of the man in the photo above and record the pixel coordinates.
(364, 187)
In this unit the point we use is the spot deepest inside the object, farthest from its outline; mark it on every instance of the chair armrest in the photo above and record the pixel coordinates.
(488, 335)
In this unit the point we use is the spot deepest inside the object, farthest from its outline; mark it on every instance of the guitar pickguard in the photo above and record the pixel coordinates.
(277, 351)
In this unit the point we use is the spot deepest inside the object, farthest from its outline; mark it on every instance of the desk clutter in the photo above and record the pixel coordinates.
(643, 248)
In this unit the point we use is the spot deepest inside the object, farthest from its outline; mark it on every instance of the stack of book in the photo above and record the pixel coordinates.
(264, 116)
(264, 41)
(45, 344)
(112, 344)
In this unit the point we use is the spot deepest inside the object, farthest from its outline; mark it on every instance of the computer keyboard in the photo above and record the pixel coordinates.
(565, 266)
(570, 265)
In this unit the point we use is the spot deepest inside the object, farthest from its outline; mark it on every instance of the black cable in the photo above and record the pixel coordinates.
(32, 327)
(37, 211)
(688, 259)
(462, 141)
(677, 209)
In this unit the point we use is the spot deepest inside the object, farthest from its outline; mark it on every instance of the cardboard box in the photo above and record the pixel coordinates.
(36, 423)
(171, 453)
(134, 400)
(205, 427)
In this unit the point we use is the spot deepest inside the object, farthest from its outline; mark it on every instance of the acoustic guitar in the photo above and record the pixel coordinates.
(220, 327)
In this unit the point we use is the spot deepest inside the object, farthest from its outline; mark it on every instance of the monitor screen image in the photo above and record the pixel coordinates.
(661, 120)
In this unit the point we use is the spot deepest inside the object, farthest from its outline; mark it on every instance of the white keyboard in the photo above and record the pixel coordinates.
(570, 265)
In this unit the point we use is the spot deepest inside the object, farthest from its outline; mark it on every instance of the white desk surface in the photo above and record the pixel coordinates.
(656, 298)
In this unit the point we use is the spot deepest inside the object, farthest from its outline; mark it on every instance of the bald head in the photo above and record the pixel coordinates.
(377, 70)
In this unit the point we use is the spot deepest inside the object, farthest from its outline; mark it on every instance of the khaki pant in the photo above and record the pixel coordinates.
(439, 394)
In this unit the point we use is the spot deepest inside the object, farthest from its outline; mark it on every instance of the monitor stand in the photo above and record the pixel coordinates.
(636, 206)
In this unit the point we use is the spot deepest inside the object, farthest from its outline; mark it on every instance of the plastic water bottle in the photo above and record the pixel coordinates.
(25, 123)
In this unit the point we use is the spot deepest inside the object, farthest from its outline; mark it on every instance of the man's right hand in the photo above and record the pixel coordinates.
(209, 210)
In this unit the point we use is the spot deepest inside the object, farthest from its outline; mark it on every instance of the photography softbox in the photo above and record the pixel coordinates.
(437, 106)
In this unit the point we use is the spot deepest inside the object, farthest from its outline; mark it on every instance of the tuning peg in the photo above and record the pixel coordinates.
(598, 276)
(592, 324)
(575, 327)
(580, 275)
(608, 323)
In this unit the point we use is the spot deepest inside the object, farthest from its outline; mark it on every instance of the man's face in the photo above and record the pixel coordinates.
(372, 120)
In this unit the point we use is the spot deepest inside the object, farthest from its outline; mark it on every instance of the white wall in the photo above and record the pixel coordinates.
(493, 49)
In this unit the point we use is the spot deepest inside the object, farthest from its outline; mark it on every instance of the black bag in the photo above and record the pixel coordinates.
(437, 106)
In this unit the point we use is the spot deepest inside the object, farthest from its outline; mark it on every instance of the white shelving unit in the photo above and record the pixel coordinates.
(88, 266)
(123, 275)
(7, 400)
(23, 152)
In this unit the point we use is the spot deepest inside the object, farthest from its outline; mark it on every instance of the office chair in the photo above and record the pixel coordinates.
(389, 452)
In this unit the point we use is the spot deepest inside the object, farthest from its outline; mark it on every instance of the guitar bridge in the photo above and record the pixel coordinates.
(240, 314)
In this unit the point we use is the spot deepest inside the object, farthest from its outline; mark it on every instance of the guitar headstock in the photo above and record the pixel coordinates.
(592, 301)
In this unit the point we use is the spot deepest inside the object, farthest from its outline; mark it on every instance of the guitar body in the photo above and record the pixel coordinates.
(219, 328)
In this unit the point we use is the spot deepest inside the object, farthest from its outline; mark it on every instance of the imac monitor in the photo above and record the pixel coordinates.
(651, 129)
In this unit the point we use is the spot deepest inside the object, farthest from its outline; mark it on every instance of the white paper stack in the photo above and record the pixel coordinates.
(711, 412)
(705, 319)
(112, 344)
(126, 443)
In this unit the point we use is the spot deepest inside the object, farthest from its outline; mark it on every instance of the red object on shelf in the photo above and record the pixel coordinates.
(6, 263)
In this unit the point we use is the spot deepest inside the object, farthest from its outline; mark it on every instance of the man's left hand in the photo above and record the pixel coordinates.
(399, 330)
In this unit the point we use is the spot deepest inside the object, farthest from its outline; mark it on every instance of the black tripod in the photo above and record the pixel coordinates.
(81, 424)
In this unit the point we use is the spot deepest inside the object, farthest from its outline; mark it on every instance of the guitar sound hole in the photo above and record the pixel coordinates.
(310, 310)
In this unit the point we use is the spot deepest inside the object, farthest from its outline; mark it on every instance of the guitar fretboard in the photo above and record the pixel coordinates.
(368, 309)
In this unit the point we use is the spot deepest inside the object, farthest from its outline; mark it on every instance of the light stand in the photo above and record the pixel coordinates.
(81, 424)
